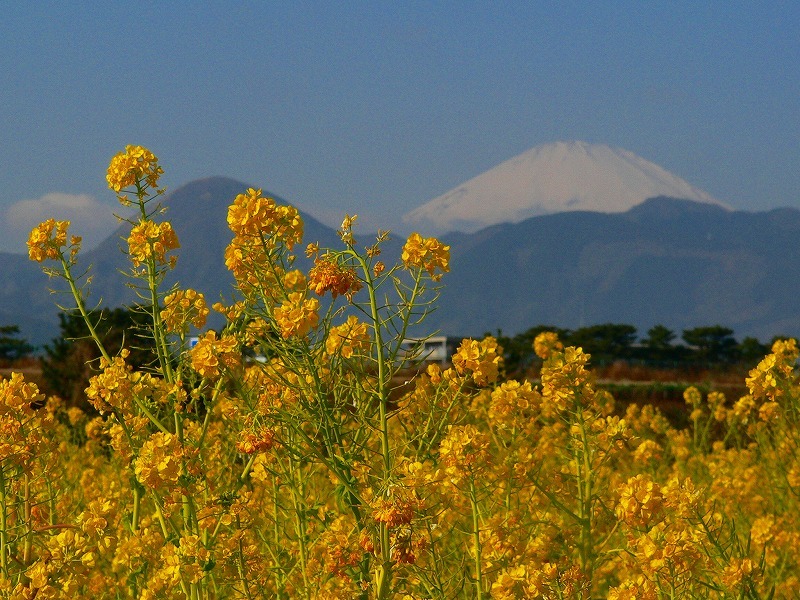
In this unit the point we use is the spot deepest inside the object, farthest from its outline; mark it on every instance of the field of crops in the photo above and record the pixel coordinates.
(309, 476)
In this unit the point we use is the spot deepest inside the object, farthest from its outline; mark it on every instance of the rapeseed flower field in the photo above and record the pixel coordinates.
(310, 475)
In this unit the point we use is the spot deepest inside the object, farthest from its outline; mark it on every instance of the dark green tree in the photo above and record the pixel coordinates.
(606, 343)
(657, 347)
(12, 347)
(518, 354)
(72, 358)
(712, 345)
(751, 351)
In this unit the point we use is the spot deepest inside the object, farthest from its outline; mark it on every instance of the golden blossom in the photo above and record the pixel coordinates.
(136, 164)
(426, 253)
(47, 239)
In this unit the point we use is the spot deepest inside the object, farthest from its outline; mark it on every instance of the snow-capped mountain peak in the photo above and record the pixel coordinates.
(551, 178)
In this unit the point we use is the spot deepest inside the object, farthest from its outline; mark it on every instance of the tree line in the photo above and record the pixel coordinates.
(702, 347)
(71, 358)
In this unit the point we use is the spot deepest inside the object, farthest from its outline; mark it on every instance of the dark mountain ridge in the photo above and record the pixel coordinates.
(666, 261)
(676, 262)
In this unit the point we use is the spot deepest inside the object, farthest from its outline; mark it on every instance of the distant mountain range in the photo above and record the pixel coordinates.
(675, 262)
(666, 261)
(548, 179)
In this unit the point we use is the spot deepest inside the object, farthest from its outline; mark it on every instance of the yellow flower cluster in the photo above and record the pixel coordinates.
(184, 307)
(426, 253)
(297, 315)
(545, 582)
(47, 239)
(464, 452)
(546, 343)
(210, 356)
(692, 396)
(565, 379)
(480, 359)
(395, 508)
(328, 275)
(258, 218)
(764, 380)
(251, 442)
(295, 281)
(638, 589)
(232, 313)
(513, 402)
(21, 436)
(135, 165)
(149, 239)
(348, 339)
(640, 501)
(250, 264)
(112, 388)
(735, 574)
(159, 460)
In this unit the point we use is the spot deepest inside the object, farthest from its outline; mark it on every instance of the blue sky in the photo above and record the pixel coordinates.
(377, 107)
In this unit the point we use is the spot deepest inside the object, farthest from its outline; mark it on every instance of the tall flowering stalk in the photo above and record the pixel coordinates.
(340, 374)
(321, 397)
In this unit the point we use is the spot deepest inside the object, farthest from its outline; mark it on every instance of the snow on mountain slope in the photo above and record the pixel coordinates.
(552, 178)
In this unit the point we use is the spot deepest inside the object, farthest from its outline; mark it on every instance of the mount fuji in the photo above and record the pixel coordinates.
(552, 178)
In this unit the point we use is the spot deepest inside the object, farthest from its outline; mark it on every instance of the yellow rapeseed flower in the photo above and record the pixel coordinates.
(297, 315)
(46, 240)
(253, 216)
(464, 451)
(737, 570)
(692, 396)
(159, 460)
(183, 307)
(347, 339)
(112, 388)
(426, 253)
(640, 502)
(327, 274)
(546, 343)
(135, 164)
(481, 359)
(152, 239)
(252, 441)
(564, 377)
(211, 355)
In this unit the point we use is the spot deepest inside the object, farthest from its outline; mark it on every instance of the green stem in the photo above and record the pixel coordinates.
(28, 546)
(241, 569)
(207, 418)
(3, 525)
(276, 537)
(380, 360)
(383, 574)
(137, 500)
(51, 502)
(585, 491)
(158, 328)
(153, 419)
(298, 499)
(187, 508)
(76, 294)
(239, 483)
(162, 348)
(476, 539)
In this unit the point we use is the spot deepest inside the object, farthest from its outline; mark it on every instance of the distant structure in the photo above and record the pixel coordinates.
(435, 349)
